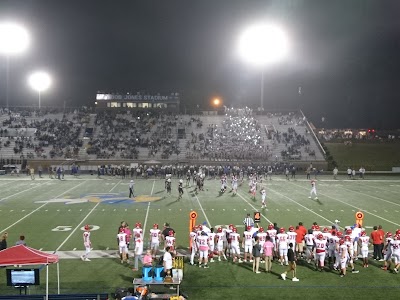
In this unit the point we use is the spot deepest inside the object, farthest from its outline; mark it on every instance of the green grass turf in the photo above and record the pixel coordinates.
(288, 203)
(373, 156)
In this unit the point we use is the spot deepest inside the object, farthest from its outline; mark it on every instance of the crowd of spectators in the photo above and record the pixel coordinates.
(41, 134)
(123, 135)
(239, 135)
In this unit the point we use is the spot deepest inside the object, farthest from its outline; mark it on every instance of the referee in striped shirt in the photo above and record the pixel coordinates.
(248, 221)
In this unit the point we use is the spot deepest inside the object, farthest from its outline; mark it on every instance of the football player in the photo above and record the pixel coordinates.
(203, 245)
(262, 236)
(364, 243)
(395, 245)
(387, 249)
(155, 234)
(86, 243)
(313, 190)
(292, 235)
(320, 252)
(235, 242)
(221, 239)
(194, 248)
(123, 249)
(271, 231)
(247, 244)
(282, 240)
(170, 241)
(263, 198)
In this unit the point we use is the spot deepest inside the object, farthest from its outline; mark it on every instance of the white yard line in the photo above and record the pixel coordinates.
(77, 227)
(358, 208)
(31, 188)
(378, 198)
(148, 209)
(40, 207)
(290, 199)
(383, 189)
(255, 209)
(83, 220)
(201, 207)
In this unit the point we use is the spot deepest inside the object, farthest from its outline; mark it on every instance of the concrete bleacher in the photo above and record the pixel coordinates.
(162, 138)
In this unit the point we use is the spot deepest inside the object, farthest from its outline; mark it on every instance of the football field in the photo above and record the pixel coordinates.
(51, 214)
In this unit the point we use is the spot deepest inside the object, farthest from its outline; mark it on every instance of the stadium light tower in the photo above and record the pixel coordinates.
(39, 81)
(14, 39)
(262, 45)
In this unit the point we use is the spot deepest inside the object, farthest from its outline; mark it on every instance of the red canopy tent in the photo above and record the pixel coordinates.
(23, 255)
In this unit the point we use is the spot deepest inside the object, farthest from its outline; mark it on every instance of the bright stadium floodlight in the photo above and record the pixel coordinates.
(263, 45)
(39, 81)
(14, 39)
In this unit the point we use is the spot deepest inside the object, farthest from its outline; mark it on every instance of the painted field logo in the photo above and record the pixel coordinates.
(107, 198)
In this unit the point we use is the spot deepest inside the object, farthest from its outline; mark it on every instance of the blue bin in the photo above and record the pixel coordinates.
(158, 272)
(147, 273)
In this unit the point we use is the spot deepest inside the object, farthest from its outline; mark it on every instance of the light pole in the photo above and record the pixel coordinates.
(14, 39)
(263, 45)
(39, 81)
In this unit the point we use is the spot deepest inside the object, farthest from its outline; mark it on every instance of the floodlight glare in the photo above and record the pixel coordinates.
(263, 44)
(14, 39)
(39, 81)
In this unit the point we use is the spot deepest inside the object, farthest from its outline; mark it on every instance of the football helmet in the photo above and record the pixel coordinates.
(291, 228)
(313, 227)
(261, 229)
(388, 234)
(339, 234)
(155, 225)
(248, 228)
(398, 231)
(363, 233)
(270, 226)
(333, 232)
(87, 227)
(326, 229)
(349, 231)
(316, 228)
(219, 229)
(341, 241)
(320, 236)
(138, 225)
(230, 226)
(348, 238)
(200, 227)
(121, 229)
(180, 180)
(171, 233)
(234, 229)
(282, 230)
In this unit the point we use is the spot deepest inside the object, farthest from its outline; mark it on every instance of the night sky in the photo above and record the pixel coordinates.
(345, 55)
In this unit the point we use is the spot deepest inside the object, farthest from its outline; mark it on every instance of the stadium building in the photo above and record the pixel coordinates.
(138, 101)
